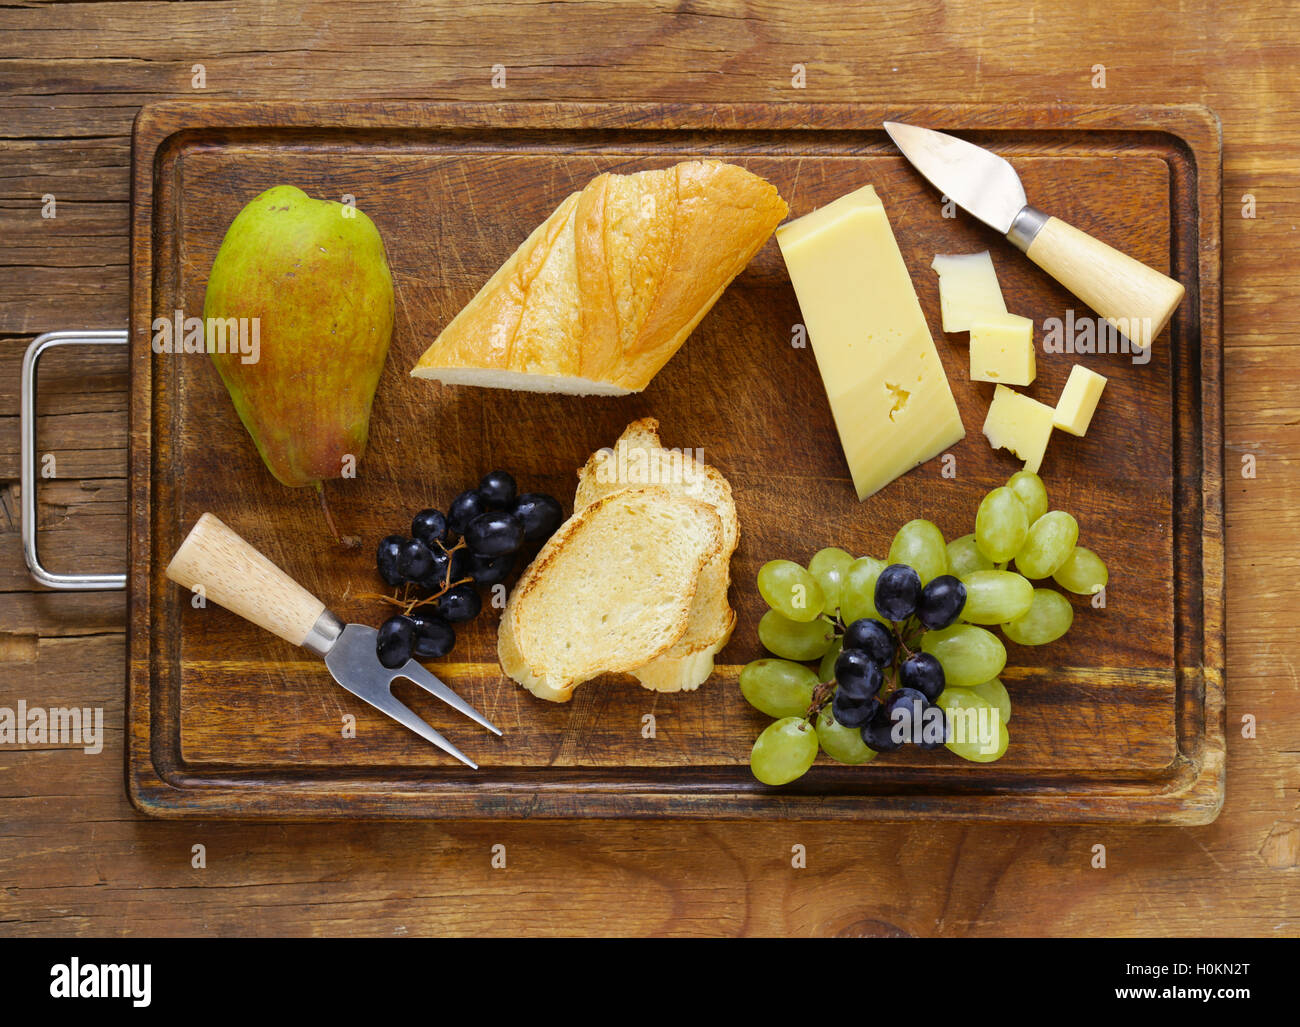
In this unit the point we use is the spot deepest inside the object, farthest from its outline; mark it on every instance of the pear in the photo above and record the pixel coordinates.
(314, 275)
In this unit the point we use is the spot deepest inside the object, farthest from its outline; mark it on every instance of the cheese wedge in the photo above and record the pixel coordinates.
(968, 290)
(888, 391)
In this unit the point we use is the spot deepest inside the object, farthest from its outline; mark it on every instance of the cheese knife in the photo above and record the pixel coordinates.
(1137, 300)
(235, 575)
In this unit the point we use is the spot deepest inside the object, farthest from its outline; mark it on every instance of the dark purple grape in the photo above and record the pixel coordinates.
(448, 568)
(898, 590)
(907, 706)
(430, 527)
(540, 515)
(458, 569)
(461, 603)
(464, 508)
(942, 601)
(873, 637)
(437, 576)
(858, 674)
(923, 672)
(494, 534)
(497, 490)
(388, 557)
(878, 732)
(491, 570)
(434, 637)
(852, 710)
(394, 641)
(936, 733)
(414, 560)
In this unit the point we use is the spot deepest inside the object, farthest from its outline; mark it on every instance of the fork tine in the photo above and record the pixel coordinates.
(422, 677)
(386, 702)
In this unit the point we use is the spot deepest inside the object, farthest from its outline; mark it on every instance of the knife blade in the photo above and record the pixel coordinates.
(1134, 298)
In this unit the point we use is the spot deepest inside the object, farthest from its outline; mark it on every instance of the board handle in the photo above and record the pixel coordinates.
(27, 460)
(235, 575)
(1137, 300)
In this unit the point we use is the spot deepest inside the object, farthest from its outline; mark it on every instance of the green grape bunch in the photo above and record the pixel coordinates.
(905, 648)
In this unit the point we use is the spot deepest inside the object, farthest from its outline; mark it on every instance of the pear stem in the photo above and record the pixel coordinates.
(348, 542)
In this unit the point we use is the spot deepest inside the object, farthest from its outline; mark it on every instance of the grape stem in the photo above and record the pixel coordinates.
(820, 697)
(446, 581)
(406, 602)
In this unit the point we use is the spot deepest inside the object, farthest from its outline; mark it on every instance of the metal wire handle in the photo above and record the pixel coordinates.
(27, 468)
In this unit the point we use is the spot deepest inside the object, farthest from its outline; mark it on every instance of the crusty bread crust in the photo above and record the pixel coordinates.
(607, 289)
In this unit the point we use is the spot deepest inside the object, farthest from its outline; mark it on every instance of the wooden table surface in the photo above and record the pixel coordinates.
(75, 858)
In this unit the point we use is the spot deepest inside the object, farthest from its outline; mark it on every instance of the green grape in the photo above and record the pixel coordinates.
(790, 590)
(996, 693)
(840, 743)
(969, 655)
(778, 687)
(1049, 544)
(858, 595)
(793, 640)
(826, 670)
(830, 567)
(920, 545)
(976, 729)
(1082, 573)
(1001, 524)
(995, 597)
(964, 556)
(1032, 492)
(1049, 617)
(784, 751)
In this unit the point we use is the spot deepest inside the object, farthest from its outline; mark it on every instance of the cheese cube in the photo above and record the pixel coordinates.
(1021, 424)
(1002, 350)
(886, 385)
(1078, 400)
(968, 290)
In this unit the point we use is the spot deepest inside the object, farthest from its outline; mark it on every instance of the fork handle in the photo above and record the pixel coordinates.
(235, 575)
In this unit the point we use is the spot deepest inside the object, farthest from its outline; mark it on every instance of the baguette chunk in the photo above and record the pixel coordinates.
(599, 297)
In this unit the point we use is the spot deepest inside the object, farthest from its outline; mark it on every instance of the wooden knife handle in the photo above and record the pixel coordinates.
(1136, 299)
(235, 575)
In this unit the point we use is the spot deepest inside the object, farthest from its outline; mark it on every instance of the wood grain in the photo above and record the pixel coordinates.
(458, 187)
(74, 857)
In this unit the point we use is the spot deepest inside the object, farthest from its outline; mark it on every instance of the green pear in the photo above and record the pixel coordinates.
(314, 276)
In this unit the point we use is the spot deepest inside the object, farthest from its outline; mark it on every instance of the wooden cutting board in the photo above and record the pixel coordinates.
(1122, 720)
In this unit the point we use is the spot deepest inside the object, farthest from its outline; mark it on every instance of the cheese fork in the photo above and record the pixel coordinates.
(235, 575)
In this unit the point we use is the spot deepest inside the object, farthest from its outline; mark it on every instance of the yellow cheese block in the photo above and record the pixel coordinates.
(1002, 350)
(887, 388)
(1078, 400)
(1021, 424)
(968, 290)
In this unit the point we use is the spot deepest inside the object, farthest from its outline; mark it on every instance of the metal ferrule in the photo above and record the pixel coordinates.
(323, 634)
(1025, 226)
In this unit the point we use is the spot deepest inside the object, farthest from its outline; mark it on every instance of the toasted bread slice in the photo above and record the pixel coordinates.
(638, 458)
(611, 591)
